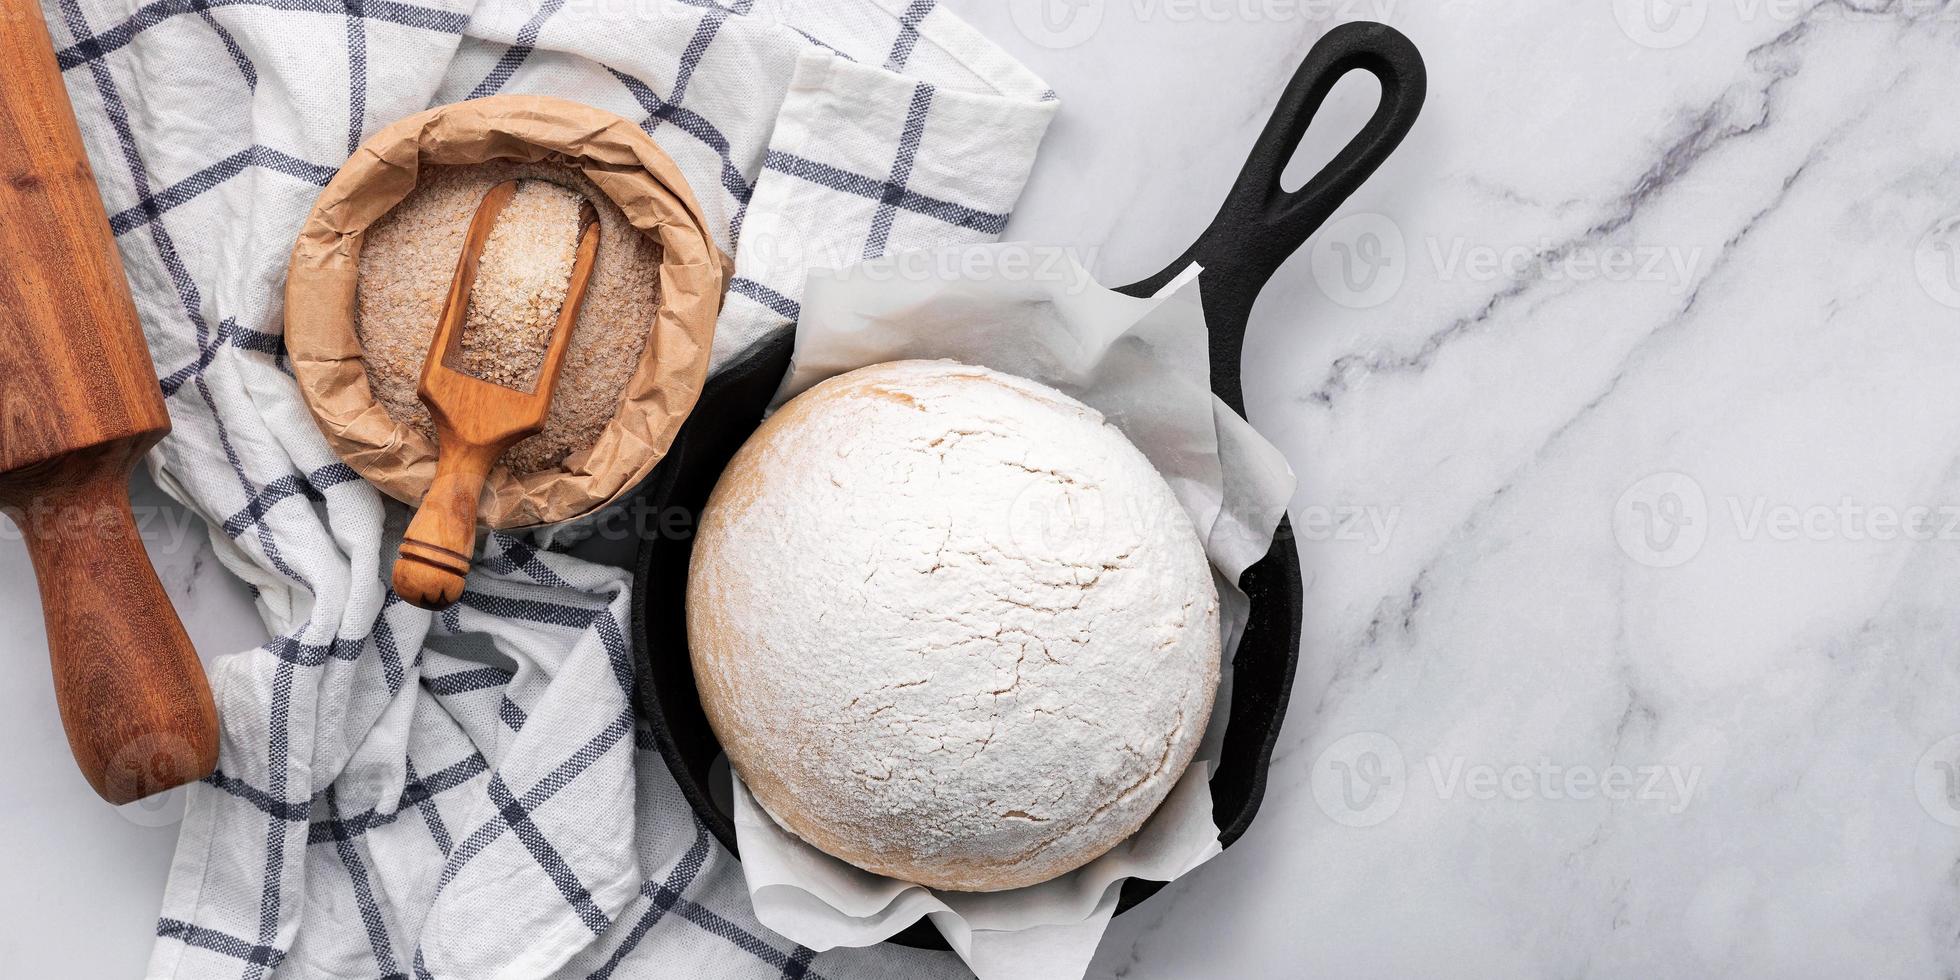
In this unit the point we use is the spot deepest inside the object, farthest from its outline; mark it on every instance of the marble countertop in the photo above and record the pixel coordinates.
(1626, 406)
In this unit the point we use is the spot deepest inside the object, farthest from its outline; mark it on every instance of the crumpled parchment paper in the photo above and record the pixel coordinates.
(1144, 364)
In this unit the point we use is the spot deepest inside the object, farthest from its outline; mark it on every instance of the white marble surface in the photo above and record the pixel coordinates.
(84, 879)
(1688, 756)
(1637, 656)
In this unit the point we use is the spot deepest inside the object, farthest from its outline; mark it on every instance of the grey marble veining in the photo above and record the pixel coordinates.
(1632, 620)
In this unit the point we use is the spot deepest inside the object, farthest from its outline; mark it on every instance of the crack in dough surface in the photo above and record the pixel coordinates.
(951, 626)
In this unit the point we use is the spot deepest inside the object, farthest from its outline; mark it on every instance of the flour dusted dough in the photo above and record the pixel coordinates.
(951, 626)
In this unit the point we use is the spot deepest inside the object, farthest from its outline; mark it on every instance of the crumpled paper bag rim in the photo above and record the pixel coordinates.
(629, 168)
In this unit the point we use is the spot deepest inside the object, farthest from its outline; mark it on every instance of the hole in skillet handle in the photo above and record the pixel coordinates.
(1257, 229)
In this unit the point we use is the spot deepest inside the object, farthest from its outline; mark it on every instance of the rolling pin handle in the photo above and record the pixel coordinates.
(133, 697)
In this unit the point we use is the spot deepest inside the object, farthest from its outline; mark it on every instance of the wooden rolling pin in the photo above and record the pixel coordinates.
(79, 405)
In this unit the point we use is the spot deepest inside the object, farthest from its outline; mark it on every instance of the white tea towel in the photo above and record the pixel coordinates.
(466, 795)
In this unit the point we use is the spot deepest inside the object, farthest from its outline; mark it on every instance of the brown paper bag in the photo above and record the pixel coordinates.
(631, 170)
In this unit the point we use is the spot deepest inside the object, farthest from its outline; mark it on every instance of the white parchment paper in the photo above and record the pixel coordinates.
(1143, 363)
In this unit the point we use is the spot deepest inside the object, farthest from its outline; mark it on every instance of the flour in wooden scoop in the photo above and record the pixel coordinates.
(521, 284)
(409, 257)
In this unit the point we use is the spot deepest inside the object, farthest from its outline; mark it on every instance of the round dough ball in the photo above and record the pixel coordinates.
(951, 626)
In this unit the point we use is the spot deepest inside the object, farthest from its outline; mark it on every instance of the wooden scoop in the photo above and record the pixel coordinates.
(476, 420)
(79, 405)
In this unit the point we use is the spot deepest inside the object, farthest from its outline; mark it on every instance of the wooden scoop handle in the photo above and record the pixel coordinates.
(139, 715)
(436, 551)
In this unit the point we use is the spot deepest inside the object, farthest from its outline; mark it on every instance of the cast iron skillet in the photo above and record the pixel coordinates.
(1259, 227)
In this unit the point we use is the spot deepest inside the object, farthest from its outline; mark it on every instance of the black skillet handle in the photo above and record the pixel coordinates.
(1261, 225)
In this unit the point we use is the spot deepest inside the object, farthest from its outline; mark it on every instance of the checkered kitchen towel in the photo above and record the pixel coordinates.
(465, 795)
